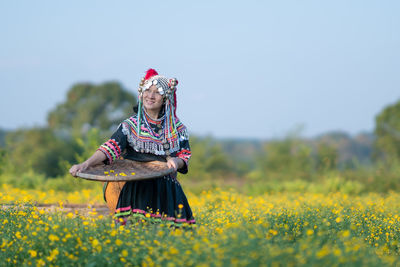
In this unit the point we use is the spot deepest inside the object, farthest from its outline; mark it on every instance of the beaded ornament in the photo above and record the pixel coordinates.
(173, 129)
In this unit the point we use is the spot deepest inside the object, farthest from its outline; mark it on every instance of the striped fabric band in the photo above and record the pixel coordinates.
(185, 155)
(128, 211)
(111, 149)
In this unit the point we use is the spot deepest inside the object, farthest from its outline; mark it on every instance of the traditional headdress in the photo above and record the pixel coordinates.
(167, 88)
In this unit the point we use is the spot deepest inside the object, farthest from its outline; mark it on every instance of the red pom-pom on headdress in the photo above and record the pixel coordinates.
(150, 73)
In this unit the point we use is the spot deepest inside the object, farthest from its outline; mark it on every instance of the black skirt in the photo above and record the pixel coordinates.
(160, 199)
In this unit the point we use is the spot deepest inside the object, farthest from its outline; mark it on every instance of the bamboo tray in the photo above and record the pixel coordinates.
(126, 170)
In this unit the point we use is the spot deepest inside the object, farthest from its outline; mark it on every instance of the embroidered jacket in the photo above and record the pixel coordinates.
(150, 145)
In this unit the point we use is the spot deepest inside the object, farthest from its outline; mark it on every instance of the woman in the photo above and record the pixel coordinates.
(153, 133)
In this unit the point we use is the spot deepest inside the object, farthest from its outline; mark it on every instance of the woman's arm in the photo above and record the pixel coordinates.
(109, 151)
(96, 158)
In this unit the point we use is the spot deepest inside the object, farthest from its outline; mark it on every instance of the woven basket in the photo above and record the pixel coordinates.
(121, 171)
(126, 170)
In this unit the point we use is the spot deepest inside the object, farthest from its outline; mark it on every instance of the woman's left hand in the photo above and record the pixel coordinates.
(175, 163)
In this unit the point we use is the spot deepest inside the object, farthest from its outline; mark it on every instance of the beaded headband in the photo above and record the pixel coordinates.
(166, 87)
(159, 81)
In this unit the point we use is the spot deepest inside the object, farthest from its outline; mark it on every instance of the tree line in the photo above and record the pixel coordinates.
(90, 113)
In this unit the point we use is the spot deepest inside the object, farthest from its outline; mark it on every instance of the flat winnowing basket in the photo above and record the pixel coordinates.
(126, 170)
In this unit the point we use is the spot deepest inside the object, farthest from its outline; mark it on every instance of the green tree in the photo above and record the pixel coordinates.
(208, 159)
(3, 151)
(89, 106)
(326, 158)
(88, 145)
(284, 159)
(3, 134)
(387, 131)
(3, 160)
(38, 149)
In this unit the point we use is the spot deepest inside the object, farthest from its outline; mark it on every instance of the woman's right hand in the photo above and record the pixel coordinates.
(78, 167)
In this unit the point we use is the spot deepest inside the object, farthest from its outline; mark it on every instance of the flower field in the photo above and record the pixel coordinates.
(280, 229)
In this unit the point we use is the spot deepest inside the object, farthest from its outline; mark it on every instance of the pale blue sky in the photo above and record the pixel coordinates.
(246, 68)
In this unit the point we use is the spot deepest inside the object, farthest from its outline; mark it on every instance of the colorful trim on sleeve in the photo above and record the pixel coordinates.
(111, 149)
(184, 154)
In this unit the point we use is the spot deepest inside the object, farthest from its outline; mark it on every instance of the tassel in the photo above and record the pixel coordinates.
(139, 114)
(173, 120)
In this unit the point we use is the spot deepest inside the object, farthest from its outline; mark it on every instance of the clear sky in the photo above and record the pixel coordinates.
(245, 68)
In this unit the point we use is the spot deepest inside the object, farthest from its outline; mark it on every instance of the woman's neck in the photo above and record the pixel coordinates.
(153, 114)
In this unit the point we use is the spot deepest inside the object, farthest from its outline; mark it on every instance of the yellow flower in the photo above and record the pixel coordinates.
(40, 262)
(72, 257)
(324, 251)
(118, 242)
(113, 232)
(53, 237)
(180, 206)
(124, 253)
(53, 255)
(33, 253)
(173, 251)
(346, 233)
(310, 232)
(95, 242)
(337, 252)
(273, 231)
(18, 235)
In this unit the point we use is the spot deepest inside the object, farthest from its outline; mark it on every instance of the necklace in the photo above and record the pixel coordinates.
(154, 121)
(157, 122)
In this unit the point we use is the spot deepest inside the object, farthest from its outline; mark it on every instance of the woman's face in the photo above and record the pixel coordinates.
(152, 100)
